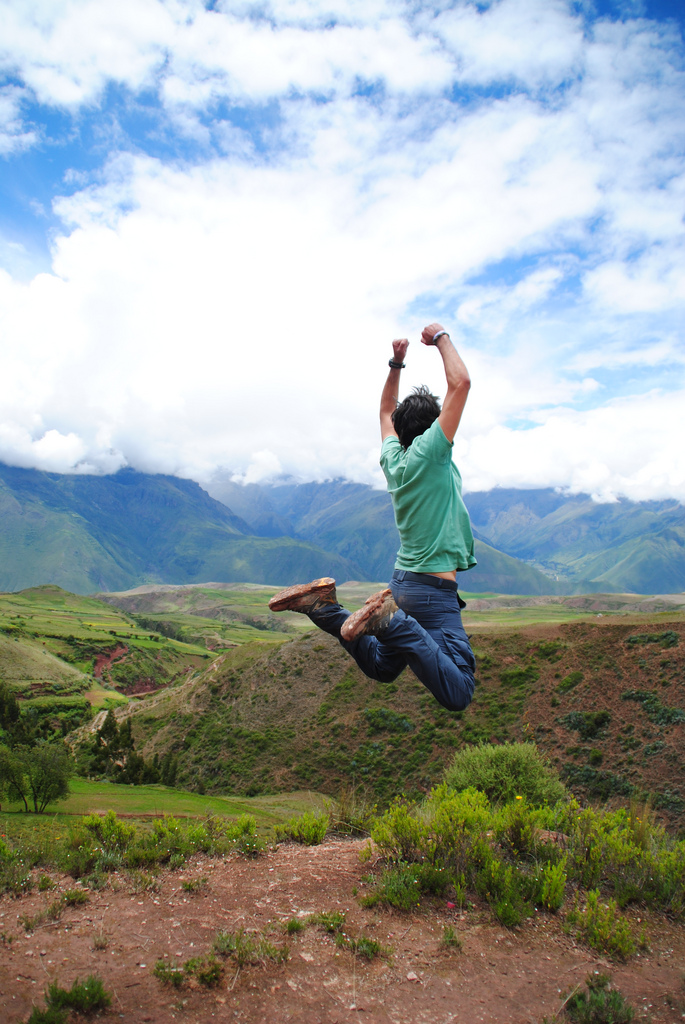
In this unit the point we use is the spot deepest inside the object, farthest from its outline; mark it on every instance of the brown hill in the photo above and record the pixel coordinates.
(605, 699)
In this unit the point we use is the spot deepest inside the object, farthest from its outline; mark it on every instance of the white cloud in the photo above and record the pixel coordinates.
(238, 312)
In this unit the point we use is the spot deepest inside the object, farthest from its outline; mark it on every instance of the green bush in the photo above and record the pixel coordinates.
(247, 949)
(587, 724)
(570, 681)
(308, 829)
(505, 771)
(601, 926)
(83, 996)
(553, 888)
(600, 1004)
(397, 887)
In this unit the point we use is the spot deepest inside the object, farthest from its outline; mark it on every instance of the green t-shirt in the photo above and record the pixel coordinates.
(425, 487)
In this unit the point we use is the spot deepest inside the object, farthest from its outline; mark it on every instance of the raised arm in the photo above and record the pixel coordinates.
(458, 380)
(391, 388)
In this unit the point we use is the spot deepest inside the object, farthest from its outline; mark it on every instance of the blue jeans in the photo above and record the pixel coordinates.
(426, 634)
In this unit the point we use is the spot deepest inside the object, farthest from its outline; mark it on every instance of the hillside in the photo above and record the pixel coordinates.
(605, 700)
(622, 545)
(88, 533)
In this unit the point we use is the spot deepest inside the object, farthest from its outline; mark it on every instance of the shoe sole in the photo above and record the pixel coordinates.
(359, 620)
(316, 589)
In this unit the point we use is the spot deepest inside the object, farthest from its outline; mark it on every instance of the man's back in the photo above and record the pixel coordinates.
(425, 487)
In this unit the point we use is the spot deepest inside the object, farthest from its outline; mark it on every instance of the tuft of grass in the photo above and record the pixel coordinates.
(100, 940)
(194, 884)
(45, 883)
(169, 973)
(248, 949)
(206, 969)
(293, 926)
(83, 996)
(450, 939)
(74, 897)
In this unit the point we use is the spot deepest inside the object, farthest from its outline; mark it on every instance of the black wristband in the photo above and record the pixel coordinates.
(395, 366)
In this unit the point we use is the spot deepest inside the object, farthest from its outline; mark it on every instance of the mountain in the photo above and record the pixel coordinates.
(357, 522)
(620, 546)
(87, 533)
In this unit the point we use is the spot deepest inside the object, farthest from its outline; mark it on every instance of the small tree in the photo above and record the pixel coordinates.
(39, 773)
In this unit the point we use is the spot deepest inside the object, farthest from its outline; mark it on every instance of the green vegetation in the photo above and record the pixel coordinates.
(308, 829)
(656, 711)
(601, 926)
(84, 997)
(599, 1004)
(504, 772)
(587, 724)
(456, 842)
(669, 638)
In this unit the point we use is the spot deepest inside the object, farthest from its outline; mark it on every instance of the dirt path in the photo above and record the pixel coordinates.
(499, 976)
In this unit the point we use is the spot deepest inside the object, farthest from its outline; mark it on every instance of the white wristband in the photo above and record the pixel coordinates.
(438, 335)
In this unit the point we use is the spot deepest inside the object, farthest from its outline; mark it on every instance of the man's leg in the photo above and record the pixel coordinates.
(318, 600)
(374, 658)
(423, 625)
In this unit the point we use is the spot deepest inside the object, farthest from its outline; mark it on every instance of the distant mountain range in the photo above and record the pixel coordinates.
(109, 533)
(527, 541)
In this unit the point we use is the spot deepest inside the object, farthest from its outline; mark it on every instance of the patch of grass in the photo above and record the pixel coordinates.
(294, 926)
(74, 897)
(194, 884)
(169, 973)
(450, 939)
(657, 712)
(244, 948)
(83, 996)
(570, 682)
(669, 638)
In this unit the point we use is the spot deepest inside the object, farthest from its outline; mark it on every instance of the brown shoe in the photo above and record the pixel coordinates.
(373, 616)
(305, 597)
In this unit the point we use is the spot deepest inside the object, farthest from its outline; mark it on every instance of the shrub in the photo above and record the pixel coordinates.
(600, 1004)
(206, 969)
(504, 772)
(83, 996)
(587, 724)
(308, 829)
(553, 887)
(109, 831)
(602, 927)
(570, 681)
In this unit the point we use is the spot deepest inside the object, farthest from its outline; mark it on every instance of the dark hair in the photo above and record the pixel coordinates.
(414, 415)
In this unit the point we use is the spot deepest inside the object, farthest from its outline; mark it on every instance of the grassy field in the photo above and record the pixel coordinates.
(145, 801)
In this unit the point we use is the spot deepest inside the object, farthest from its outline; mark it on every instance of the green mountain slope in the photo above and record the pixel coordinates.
(634, 546)
(89, 533)
(357, 522)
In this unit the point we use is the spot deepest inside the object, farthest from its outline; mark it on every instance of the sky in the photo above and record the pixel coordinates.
(215, 217)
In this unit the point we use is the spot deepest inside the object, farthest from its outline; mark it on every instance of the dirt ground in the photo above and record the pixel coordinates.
(498, 976)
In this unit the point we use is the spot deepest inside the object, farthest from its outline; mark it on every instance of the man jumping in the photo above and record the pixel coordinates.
(417, 620)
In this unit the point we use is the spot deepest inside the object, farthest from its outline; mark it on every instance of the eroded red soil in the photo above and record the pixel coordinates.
(499, 976)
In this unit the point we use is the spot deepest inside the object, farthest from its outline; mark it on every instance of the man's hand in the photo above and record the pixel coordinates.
(399, 349)
(428, 333)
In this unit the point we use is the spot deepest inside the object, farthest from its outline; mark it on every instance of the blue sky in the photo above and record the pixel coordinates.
(214, 218)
